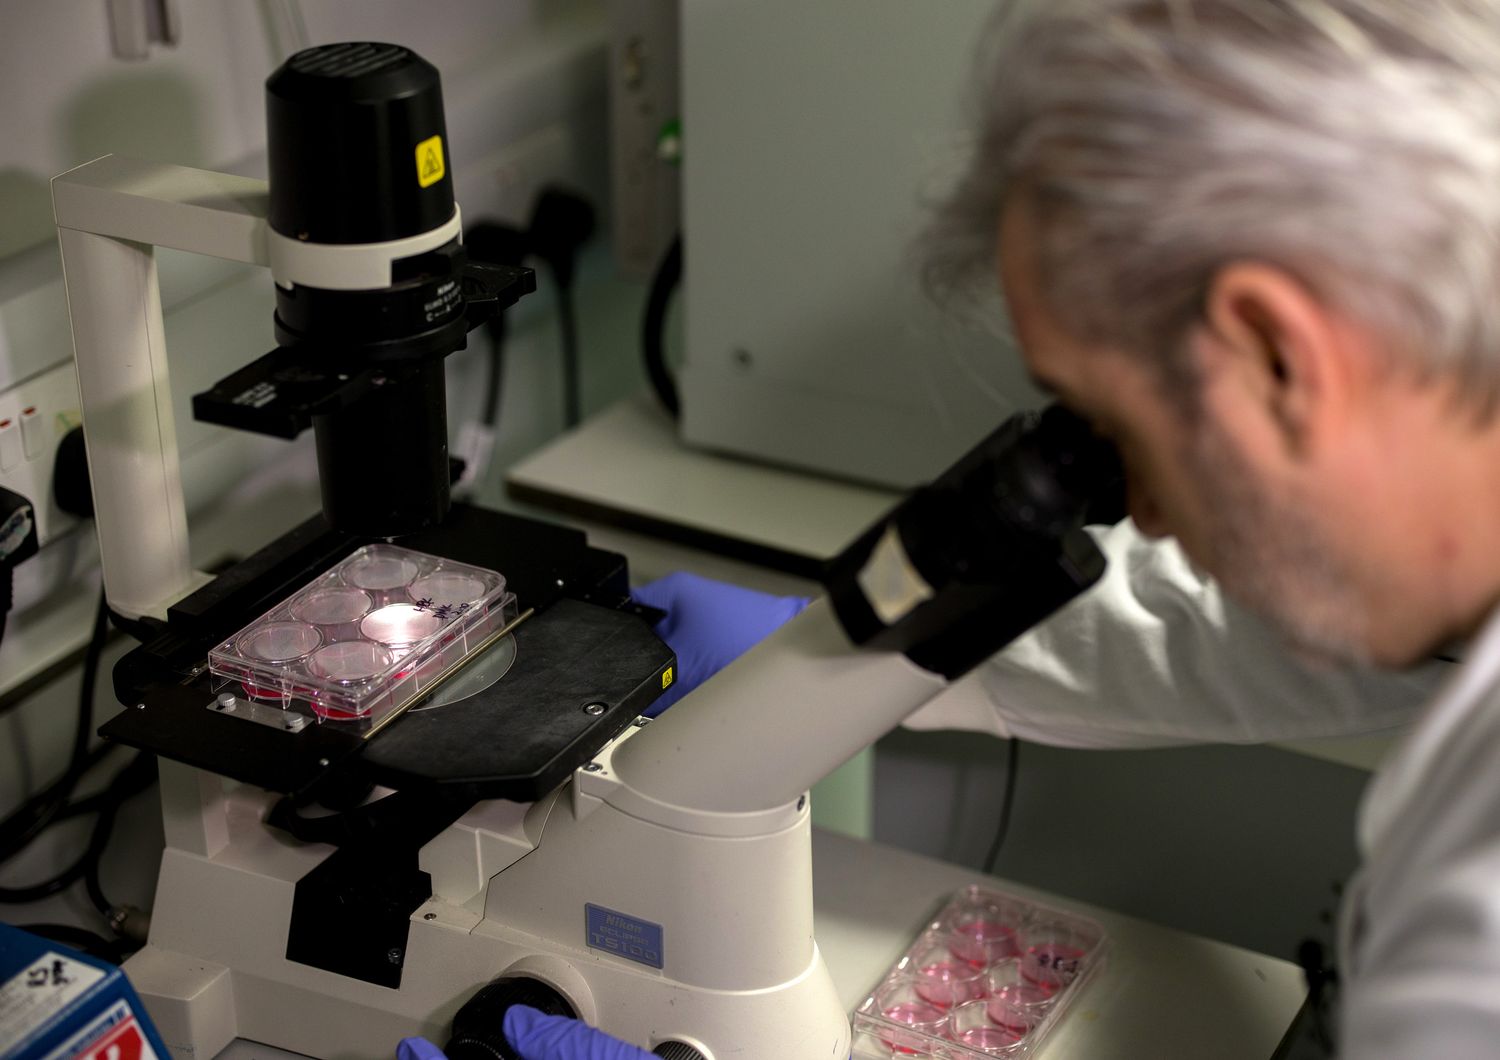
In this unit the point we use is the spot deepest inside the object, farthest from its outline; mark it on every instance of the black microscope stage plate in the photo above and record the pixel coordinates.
(533, 727)
(517, 739)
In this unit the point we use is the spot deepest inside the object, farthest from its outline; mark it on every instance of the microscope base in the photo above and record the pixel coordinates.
(199, 1008)
(735, 912)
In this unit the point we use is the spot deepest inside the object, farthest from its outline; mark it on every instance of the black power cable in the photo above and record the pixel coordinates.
(135, 778)
(18, 542)
(35, 892)
(33, 816)
(561, 223)
(124, 920)
(80, 939)
(567, 326)
(497, 244)
(1012, 762)
(654, 327)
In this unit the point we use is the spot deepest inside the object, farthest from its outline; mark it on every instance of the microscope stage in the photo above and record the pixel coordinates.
(585, 665)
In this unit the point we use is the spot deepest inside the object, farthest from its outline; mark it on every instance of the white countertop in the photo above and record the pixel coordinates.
(1161, 993)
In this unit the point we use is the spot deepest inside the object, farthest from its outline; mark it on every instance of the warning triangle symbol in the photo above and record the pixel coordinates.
(432, 165)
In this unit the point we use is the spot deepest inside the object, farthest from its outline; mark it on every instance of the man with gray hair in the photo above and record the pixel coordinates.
(1257, 244)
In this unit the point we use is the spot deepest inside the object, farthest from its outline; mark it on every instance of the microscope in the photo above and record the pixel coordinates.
(513, 831)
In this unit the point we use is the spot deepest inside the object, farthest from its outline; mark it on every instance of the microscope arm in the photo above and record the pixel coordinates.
(776, 721)
(111, 213)
(952, 575)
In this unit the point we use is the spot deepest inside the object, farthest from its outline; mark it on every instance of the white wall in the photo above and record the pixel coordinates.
(68, 99)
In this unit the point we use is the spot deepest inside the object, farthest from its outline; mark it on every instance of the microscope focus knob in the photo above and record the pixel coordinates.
(478, 1032)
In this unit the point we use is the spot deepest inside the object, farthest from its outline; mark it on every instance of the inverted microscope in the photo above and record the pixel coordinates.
(489, 820)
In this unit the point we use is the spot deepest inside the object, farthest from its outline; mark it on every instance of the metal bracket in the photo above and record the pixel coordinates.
(285, 718)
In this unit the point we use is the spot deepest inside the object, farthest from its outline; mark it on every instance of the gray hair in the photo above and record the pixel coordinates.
(1354, 143)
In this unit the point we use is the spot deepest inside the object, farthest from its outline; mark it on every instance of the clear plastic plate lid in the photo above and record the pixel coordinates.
(368, 635)
(990, 976)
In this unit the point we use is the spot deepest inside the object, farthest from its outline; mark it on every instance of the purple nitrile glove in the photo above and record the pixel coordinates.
(536, 1036)
(710, 624)
(540, 1037)
(418, 1049)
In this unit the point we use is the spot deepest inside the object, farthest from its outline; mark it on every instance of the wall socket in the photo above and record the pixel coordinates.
(509, 179)
(644, 106)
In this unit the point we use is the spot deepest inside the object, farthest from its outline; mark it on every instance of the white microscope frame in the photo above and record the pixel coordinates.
(111, 215)
(698, 824)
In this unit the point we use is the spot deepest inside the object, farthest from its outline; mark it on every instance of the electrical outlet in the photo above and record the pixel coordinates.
(504, 184)
(34, 416)
(644, 108)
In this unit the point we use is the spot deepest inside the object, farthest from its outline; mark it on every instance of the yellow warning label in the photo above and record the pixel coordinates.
(430, 168)
(666, 677)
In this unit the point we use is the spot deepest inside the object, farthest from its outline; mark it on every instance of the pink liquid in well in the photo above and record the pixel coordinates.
(271, 695)
(914, 1013)
(380, 572)
(280, 642)
(982, 942)
(948, 983)
(445, 589)
(1017, 1008)
(927, 1018)
(350, 661)
(989, 1039)
(333, 606)
(1051, 965)
(400, 624)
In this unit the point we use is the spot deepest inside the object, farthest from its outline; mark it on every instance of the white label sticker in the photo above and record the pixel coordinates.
(48, 985)
(892, 584)
(115, 1035)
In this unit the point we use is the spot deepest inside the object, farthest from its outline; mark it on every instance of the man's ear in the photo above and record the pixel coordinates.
(1282, 349)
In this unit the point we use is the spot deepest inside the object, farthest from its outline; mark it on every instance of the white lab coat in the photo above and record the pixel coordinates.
(1155, 656)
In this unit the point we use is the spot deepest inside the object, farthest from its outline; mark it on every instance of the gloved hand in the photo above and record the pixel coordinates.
(710, 624)
(539, 1037)
(418, 1049)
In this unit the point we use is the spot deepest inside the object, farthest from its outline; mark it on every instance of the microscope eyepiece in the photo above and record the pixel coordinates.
(985, 552)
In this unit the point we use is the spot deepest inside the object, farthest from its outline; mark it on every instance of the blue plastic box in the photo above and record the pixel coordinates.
(57, 1004)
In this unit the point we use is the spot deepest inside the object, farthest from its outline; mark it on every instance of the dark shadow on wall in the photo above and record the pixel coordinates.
(127, 110)
(144, 113)
(25, 210)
